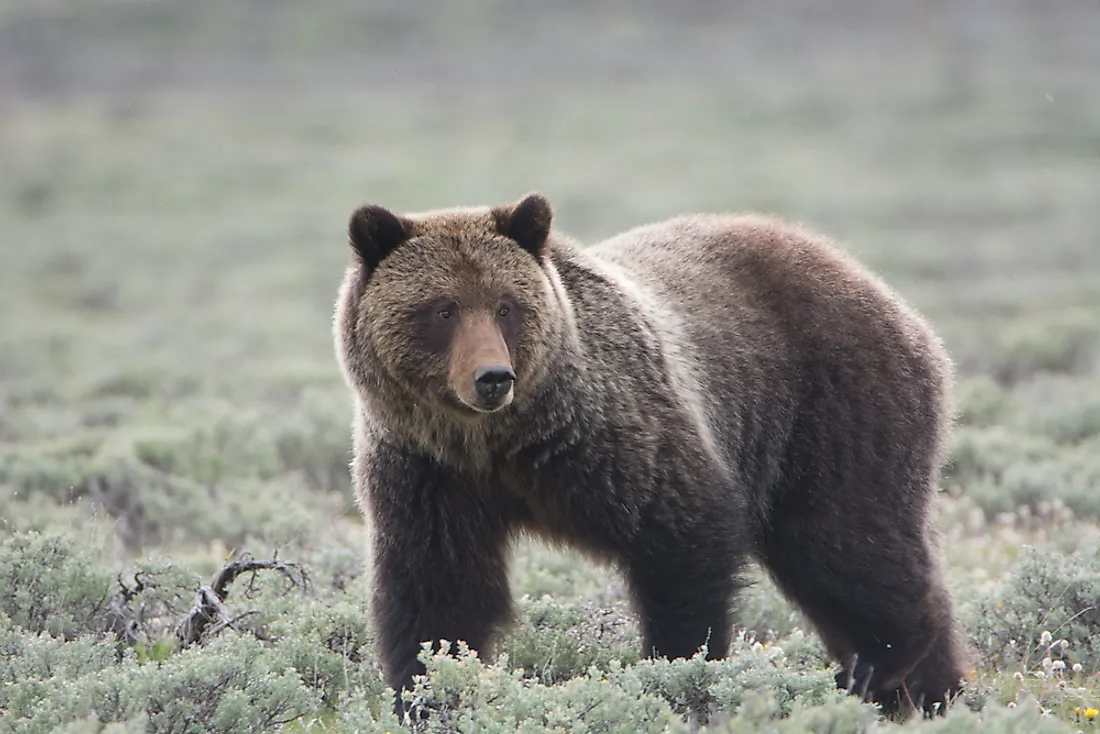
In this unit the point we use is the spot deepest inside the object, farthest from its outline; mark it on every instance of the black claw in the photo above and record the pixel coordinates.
(857, 678)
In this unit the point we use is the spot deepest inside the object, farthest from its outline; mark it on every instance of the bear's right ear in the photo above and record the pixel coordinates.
(375, 232)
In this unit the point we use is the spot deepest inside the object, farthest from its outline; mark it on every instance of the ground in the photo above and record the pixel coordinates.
(171, 240)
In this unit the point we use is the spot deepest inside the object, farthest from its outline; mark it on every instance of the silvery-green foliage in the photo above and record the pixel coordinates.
(49, 584)
(1048, 594)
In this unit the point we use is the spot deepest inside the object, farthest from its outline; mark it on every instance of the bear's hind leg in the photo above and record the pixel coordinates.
(873, 591)
(939, 670)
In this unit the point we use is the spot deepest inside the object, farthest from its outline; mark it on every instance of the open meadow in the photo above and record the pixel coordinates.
(175, 184)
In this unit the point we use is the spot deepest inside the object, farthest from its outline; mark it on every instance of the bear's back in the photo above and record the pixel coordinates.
(780, 326)
(737, 277)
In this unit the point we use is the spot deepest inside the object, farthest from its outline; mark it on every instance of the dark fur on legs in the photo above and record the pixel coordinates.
(684, 594)
(439, 562)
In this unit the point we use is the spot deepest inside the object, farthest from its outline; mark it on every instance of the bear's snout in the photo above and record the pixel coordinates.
(493, 384)
(481, 376)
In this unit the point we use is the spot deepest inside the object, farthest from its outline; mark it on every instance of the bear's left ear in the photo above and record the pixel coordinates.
(527, 222)
(375, 232)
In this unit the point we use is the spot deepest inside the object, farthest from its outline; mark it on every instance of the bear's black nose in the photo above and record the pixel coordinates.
(493, 382)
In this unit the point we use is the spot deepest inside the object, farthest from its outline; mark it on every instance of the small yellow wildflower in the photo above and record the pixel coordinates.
(1090, 714)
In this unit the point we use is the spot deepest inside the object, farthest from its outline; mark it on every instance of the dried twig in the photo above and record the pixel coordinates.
(119, 617)
(210, 615)
(230, 622)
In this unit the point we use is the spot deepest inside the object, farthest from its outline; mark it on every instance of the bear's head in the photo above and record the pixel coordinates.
(457, 310)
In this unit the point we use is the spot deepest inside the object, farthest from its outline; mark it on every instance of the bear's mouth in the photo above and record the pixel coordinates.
(478, 406)
(490, 404)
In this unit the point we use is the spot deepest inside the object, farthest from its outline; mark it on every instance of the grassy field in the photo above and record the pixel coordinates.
(175, 183)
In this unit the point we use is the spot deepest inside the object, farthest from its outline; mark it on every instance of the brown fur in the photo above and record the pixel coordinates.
(687, 394)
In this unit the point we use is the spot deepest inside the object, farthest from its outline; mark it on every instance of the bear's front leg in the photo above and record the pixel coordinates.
(440, 559)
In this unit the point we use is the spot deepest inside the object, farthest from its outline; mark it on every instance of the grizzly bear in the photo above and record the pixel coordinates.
(675, 401)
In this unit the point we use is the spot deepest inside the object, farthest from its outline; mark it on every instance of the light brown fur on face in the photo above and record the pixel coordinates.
(455, 259)
(478, 348)
(687, 395)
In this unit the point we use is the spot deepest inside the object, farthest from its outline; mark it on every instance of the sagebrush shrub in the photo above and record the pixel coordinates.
(838, 714)
(1065, 409)
(984, 454)
(329, 645)
(1033, 348)
(961, 720)
(556, 641)
(1055, 594)
(464, 694)
(49, 583)
(233, 684)
(722, 685)
(1001, 470)
(981, 401)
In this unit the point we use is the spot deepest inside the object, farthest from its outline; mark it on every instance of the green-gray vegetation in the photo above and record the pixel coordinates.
(175, 181)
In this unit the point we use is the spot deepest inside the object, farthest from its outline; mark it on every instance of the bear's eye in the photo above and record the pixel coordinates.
(445, 313)
(504, 311)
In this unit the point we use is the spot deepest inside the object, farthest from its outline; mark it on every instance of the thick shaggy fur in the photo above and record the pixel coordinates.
(688, 395)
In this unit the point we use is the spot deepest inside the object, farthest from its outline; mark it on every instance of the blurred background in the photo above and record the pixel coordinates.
(175, 184)
(177, 178)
